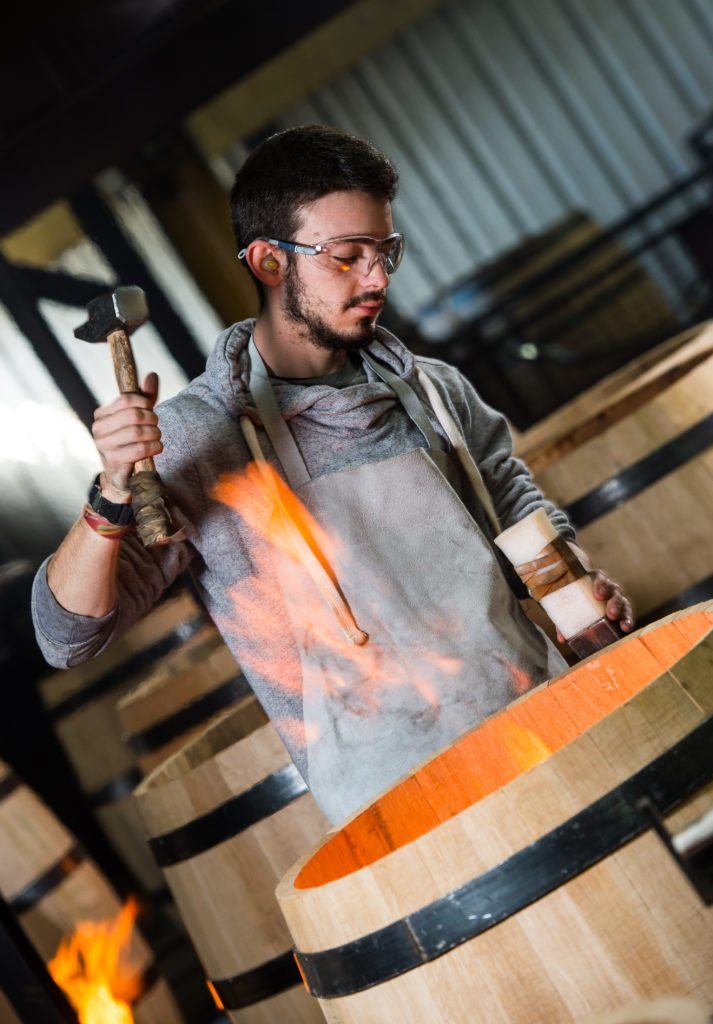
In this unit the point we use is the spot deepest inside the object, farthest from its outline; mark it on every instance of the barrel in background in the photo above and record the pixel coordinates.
(52, 885)
(611, 399)
(178, 699)
(640, 492)
(7, 1013)
(226, 816)
(81, 702)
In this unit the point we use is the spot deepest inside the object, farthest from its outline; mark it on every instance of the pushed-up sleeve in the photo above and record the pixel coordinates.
(143, 574)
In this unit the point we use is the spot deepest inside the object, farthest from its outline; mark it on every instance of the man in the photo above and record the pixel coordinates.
(367, 606)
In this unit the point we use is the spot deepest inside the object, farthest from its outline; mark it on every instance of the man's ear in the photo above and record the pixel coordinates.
(266, 263)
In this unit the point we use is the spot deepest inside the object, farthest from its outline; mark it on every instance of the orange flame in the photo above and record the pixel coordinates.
(92, 968)
(271, 511)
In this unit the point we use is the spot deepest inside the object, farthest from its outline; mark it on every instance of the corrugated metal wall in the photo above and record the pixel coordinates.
(503, 115)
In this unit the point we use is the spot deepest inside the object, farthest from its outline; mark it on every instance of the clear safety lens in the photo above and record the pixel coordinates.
(358, 255)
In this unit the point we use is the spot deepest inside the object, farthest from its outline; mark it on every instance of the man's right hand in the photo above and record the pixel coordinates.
(124, 432)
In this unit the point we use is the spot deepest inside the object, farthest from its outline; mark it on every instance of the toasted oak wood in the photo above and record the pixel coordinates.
(629, 928)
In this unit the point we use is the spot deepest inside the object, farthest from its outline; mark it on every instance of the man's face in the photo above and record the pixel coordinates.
(338, 310)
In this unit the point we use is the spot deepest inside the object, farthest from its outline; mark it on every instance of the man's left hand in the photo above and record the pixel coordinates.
(618, 606)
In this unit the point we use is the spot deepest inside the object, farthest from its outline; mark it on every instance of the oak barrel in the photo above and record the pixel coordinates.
(178, 699)
(613, 398)
(640, 493)
(52, 885)
(226, 815)
(81, 702)
(575, 298)
(519, 877)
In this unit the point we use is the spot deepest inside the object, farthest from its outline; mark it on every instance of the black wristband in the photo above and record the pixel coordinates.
(114, 512)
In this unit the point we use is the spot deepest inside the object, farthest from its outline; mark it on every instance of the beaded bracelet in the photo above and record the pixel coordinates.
(112, 531)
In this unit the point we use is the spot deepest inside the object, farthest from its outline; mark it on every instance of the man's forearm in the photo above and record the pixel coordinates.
(82, 572)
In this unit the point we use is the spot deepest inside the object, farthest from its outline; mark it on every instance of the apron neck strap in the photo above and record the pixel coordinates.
(455, 436)
(409, 400)
(280, 435)
(275, 427)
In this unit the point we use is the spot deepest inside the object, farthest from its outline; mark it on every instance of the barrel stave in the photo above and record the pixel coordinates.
(225, 892)
(629, 927)
(82, 702)
(613, 398)
(181, 685)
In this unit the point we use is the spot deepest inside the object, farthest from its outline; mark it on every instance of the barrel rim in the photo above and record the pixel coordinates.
(160, 676)
(557, 857)
(196, 712)
(174, 770)
(288, 889)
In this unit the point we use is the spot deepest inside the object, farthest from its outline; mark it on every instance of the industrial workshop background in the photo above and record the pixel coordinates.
(556, 165)
(555, 193)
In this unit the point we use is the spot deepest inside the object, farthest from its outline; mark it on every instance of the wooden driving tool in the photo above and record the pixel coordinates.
(113, 317)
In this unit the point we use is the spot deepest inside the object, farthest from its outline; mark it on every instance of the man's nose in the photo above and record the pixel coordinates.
(376, 274)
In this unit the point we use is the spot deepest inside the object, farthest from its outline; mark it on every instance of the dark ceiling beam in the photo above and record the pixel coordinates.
(21, 302)
(144, 92)
(61, 287)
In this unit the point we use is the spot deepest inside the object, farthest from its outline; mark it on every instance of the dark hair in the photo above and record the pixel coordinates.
(296, 167)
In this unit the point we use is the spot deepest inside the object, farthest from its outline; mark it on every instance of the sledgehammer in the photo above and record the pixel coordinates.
(113, 317)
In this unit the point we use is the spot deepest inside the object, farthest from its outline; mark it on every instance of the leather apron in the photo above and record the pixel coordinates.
(408, 632)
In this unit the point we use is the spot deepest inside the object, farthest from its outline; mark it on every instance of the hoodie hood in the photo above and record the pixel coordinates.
(228, 375)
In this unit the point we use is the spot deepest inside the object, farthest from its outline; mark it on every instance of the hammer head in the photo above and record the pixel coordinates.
(123, 309)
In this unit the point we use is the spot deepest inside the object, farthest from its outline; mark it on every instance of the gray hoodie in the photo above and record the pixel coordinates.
(342, 421)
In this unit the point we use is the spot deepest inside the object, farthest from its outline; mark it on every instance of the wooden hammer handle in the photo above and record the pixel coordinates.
(127, 378)
(153, 522)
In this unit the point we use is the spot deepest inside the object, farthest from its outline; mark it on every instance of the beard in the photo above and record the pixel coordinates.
(315, 328)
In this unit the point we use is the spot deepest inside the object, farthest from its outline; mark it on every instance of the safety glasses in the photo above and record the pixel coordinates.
(348, 254)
